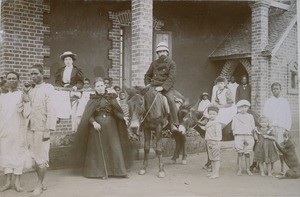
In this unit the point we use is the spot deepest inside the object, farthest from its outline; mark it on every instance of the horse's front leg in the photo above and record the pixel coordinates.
(161, 172)
(183, 141)
(147, 141)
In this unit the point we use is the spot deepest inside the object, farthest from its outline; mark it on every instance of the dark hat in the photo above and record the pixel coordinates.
(117, 88)
(68, 54)
(221, 79)
(213, 108)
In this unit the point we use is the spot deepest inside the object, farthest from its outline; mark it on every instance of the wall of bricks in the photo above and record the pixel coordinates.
(230, 66)
(119, 20)
(142, 30)
(259, 69)
(23, 35)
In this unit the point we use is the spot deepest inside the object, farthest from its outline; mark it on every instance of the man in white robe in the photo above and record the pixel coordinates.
(232, 86)
(12, 133)
(277, 110)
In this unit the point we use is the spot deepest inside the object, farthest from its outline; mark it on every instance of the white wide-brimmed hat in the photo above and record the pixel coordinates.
(68, 54)
(242, 103)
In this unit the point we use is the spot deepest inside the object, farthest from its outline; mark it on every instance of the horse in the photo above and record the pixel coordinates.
(147, 113)
(180, 137)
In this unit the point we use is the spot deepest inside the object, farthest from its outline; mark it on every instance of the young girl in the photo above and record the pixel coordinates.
(265, 151)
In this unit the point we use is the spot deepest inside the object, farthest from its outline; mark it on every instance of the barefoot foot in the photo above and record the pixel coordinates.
(37, 192)
(210, 174)
(249, 173)
(5, 187)
(18, 188)
(239, 173)
(215, 176)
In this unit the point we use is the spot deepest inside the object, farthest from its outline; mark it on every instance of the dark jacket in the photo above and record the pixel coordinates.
(76, 77)
(243, 94)
(161, 73)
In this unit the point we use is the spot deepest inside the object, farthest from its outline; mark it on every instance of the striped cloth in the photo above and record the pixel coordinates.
(124, 107)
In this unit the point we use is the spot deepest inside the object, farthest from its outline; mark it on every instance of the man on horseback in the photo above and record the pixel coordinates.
(161, 75)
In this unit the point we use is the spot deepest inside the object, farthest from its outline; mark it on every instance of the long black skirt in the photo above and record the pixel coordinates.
(109, 154)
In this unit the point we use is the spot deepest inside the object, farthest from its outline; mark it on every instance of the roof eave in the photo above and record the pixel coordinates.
(233, 56)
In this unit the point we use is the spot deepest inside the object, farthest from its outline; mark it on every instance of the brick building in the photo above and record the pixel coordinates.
(116, 39)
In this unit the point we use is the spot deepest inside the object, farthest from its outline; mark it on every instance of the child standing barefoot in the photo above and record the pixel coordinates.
(213, 137)
(265, 151)
(243, 126)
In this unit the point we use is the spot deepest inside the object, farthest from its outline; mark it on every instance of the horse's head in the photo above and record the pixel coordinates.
(188, 116)
(136, 105)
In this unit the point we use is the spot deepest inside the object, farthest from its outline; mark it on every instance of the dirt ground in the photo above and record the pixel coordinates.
(180, 180)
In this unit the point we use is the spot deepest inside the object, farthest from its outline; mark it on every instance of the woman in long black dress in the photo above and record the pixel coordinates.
(101, 144)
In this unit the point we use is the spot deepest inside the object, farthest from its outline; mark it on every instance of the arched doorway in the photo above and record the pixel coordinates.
(237, 68)
(239, 71)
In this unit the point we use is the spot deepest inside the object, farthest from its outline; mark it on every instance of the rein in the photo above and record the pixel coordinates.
(149, 108)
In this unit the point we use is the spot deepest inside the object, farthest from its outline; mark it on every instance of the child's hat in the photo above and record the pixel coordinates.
(204, 94)
(213, 108)
(243, 103)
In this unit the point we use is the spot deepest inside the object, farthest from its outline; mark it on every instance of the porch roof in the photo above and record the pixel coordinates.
(237, 43)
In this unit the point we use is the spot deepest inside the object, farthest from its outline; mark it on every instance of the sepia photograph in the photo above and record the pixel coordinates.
(146, 98)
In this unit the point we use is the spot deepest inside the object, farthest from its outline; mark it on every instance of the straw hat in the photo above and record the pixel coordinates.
(68, 54)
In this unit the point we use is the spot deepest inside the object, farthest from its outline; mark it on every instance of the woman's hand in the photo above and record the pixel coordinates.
(97, 126)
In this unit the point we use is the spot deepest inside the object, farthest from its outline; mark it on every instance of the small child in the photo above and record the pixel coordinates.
(265, 151)
(213, 136)
(203, 103)
(243, 126)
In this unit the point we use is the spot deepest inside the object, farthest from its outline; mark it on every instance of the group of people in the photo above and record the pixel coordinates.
(29, 114)
(27, 119)
(272, 125)
(101, 146)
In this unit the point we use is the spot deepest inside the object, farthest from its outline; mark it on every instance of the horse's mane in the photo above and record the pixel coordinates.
(157, 106)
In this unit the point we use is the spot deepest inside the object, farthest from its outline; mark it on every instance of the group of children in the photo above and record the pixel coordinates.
(246, 135)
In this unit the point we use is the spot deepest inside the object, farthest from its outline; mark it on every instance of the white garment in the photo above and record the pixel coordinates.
(232, 87)
(225, 115)
(85, 97)
(63, 104)
(279, 113)
(67, 74)
(213, 94)
(203, 105)
(12, 133)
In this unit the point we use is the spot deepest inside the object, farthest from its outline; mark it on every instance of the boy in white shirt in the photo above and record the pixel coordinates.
(243, 126)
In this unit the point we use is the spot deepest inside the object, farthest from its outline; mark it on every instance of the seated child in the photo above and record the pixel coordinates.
(265, 151)
(243, 126)
(213, 136)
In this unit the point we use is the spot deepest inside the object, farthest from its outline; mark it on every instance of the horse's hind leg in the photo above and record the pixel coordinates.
(184, 154)
(161, 172)
(177, 146)
(147, 135)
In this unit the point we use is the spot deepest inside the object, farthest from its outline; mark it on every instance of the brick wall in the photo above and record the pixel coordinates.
(119, 20)
(230, 66)
(142, 30)
(259, 69)
(23, 35)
